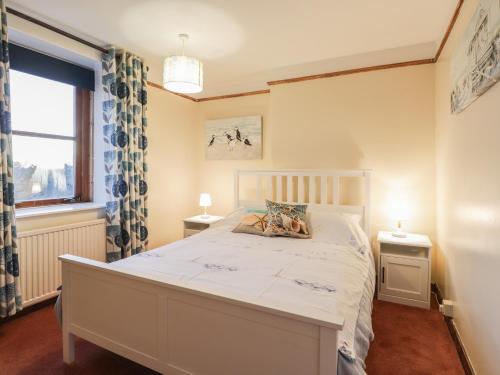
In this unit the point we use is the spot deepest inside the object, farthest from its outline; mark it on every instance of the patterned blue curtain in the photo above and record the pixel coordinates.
(124, 110)
(10, 288)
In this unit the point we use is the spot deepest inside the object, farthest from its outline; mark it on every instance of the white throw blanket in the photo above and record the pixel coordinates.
(307, 274)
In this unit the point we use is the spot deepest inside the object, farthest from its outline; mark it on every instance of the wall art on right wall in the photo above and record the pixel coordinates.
(476, 63)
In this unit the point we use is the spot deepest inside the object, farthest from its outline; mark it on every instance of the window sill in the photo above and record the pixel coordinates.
(57, 209)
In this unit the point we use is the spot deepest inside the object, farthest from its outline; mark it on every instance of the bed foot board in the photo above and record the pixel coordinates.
(327, 351)
(68, 348)
(180, 331)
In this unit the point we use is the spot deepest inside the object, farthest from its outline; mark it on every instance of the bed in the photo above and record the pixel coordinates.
(226, 303)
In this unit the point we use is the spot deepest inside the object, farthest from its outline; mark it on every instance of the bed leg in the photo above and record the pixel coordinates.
(328, 351)
(68, 348)
(68, 337)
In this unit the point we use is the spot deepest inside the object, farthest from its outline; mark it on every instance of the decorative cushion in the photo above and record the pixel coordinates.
(253, 223)
(289, 220)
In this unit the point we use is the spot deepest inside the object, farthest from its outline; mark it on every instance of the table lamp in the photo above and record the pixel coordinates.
(400, 215)
(399, 231)
(205, 201)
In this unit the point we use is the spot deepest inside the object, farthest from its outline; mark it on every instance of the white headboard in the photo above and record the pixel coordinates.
(320, 189)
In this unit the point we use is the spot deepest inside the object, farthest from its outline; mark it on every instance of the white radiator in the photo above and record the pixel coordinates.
(40, 270)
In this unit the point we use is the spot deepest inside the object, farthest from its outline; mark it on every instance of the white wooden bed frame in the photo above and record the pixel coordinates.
(175, 330)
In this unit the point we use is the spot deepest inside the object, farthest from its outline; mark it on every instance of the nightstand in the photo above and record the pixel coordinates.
(196, 224)
(404, 269)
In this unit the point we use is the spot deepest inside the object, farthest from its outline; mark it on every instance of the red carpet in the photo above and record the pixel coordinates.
(408, 341)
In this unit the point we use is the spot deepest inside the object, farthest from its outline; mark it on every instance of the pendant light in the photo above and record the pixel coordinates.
(183, 74)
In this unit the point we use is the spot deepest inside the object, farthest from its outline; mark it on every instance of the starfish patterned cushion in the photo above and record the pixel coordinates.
(253, 223)
(289, 220)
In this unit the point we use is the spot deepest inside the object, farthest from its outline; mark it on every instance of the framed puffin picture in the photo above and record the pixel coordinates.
(237, 138)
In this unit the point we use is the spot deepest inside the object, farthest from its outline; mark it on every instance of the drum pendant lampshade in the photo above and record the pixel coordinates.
(183, 74)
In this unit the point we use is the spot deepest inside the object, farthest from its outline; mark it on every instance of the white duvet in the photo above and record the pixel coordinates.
(324, 274)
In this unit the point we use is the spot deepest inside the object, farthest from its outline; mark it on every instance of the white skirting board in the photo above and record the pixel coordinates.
(40, 270)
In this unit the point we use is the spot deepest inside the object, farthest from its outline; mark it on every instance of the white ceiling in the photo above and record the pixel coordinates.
(245, 43)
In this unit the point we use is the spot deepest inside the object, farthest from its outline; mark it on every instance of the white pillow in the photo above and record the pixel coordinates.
(234, 217)
(355, 218)
(340, 229)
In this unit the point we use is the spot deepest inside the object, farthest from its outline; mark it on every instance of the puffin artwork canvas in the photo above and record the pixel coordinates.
(237, 138)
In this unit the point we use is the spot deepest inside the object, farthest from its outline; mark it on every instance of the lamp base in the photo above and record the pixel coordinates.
(205, 216)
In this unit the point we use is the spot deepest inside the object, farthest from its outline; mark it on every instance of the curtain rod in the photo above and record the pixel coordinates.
(55, 29)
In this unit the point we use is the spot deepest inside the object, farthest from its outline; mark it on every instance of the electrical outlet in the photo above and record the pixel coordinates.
(446, 308)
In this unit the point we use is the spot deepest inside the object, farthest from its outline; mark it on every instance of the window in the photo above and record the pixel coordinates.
(51, 133)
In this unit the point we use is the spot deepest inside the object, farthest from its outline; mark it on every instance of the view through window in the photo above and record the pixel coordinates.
(43, 137)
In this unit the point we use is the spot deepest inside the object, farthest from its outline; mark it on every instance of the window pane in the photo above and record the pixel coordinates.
(41, 105)
(43, 168)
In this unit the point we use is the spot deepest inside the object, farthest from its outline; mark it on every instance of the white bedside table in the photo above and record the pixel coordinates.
(405, 269)
(196, 224)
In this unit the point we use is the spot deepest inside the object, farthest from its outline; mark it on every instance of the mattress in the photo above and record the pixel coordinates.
(322, 274)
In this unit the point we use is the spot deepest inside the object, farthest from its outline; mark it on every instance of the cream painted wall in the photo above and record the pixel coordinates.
(468, 208)
(217, 177)
(173, 164)
(381, 120)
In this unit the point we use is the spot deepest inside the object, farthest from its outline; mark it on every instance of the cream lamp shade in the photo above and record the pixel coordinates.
(183, 74)
(205, 201)
(400, 212)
